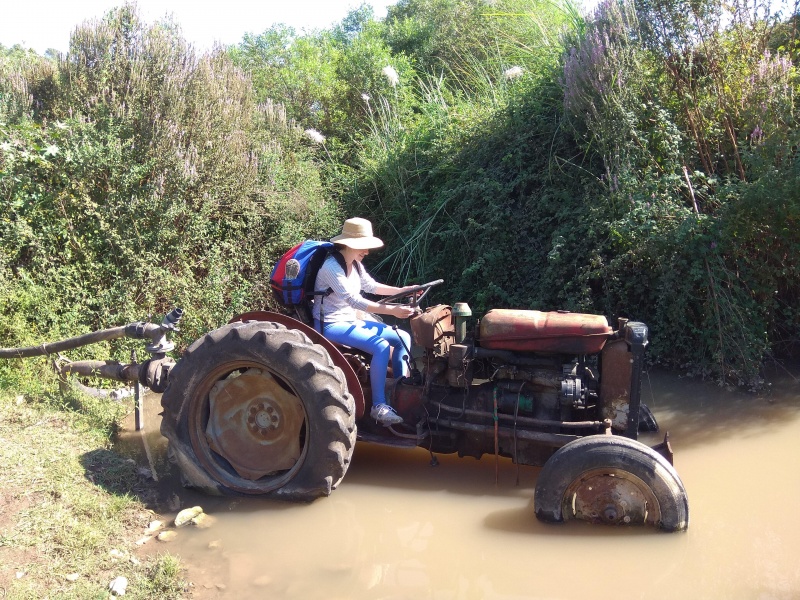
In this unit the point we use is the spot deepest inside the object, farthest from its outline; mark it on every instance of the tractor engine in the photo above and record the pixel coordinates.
(522, 379)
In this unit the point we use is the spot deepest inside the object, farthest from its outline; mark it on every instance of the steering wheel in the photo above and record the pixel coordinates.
(411, 293)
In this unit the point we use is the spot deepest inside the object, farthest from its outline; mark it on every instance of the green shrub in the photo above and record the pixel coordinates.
(146, 177)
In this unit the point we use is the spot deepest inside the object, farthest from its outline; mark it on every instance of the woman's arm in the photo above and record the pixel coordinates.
(368, 284)
(401, 311)
(388, 290)
(396, 310)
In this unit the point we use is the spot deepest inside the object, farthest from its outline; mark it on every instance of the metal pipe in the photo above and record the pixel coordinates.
(521, 420)
(152, 373)
(551, 439)
(107, 369)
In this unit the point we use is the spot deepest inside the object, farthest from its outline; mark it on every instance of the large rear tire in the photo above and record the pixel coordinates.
(611, 480)
(256, 408)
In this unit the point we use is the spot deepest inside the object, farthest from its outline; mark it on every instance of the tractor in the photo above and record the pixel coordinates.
(266, 406)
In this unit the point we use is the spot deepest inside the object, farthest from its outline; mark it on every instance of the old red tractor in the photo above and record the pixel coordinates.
(267, 406)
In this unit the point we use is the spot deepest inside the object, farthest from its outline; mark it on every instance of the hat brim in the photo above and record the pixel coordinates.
(358, 243)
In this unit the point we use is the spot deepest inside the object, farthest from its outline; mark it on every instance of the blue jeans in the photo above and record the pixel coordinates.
(377, 339)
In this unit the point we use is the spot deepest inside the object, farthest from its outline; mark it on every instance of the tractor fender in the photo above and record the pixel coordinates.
(353, 385)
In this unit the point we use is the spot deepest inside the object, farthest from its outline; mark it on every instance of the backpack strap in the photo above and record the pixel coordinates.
(339, 258)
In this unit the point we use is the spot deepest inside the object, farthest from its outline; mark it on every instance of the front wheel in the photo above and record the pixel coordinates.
(256, 408)
(614, 481)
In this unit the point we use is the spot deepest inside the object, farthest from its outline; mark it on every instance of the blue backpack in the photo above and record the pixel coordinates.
(292, 279)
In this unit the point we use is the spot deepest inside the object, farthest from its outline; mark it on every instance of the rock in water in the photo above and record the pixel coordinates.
(186, 515)
(166, 536)
(203, 521)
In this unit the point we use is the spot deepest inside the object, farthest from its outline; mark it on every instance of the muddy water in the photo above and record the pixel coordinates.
(400, 528)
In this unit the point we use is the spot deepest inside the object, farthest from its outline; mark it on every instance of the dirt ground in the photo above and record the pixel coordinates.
(13, 560)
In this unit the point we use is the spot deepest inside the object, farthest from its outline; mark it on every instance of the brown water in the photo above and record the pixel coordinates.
(398, 528)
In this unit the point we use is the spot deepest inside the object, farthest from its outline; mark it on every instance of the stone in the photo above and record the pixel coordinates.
(118, 586)
(203, 521)
(153, 527)
(186, 515)
(167, 536)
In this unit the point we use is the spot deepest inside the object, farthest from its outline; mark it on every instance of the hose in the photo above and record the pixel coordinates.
(68, 344)
(138, 330)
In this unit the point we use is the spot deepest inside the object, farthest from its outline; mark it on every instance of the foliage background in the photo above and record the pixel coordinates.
(637, 162)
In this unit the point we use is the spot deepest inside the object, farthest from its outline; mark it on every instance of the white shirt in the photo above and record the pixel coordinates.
(346, 298)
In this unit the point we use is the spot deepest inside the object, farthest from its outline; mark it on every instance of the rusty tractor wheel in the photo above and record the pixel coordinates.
(256, 408)
(611, 480)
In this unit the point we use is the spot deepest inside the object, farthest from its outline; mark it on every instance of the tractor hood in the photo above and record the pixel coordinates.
(536, 331)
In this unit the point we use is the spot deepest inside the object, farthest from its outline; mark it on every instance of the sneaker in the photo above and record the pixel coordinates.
(385, 415)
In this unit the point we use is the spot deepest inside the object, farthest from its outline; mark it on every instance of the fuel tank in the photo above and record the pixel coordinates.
(537, 331)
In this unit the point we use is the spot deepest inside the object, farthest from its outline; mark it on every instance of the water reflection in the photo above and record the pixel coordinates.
(399, 528)
(704, 413)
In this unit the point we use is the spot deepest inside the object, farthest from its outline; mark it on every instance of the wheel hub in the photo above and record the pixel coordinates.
(263, 419)
(613, 499)
(254, 423)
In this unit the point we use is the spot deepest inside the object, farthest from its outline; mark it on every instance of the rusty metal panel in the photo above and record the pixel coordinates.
(537, 331)
(434, 329)
(406, 399)
(615, 383)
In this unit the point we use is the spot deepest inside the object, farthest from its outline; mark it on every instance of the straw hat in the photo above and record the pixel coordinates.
(357, 234)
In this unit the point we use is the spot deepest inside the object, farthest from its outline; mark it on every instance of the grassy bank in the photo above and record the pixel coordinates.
(71, 509)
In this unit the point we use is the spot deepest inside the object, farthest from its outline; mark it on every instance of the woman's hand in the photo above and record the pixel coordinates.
(393, 294)
(401, 311)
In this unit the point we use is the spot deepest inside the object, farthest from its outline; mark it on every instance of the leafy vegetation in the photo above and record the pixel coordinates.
(692, 109)
(134, 176)
(637, 162)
